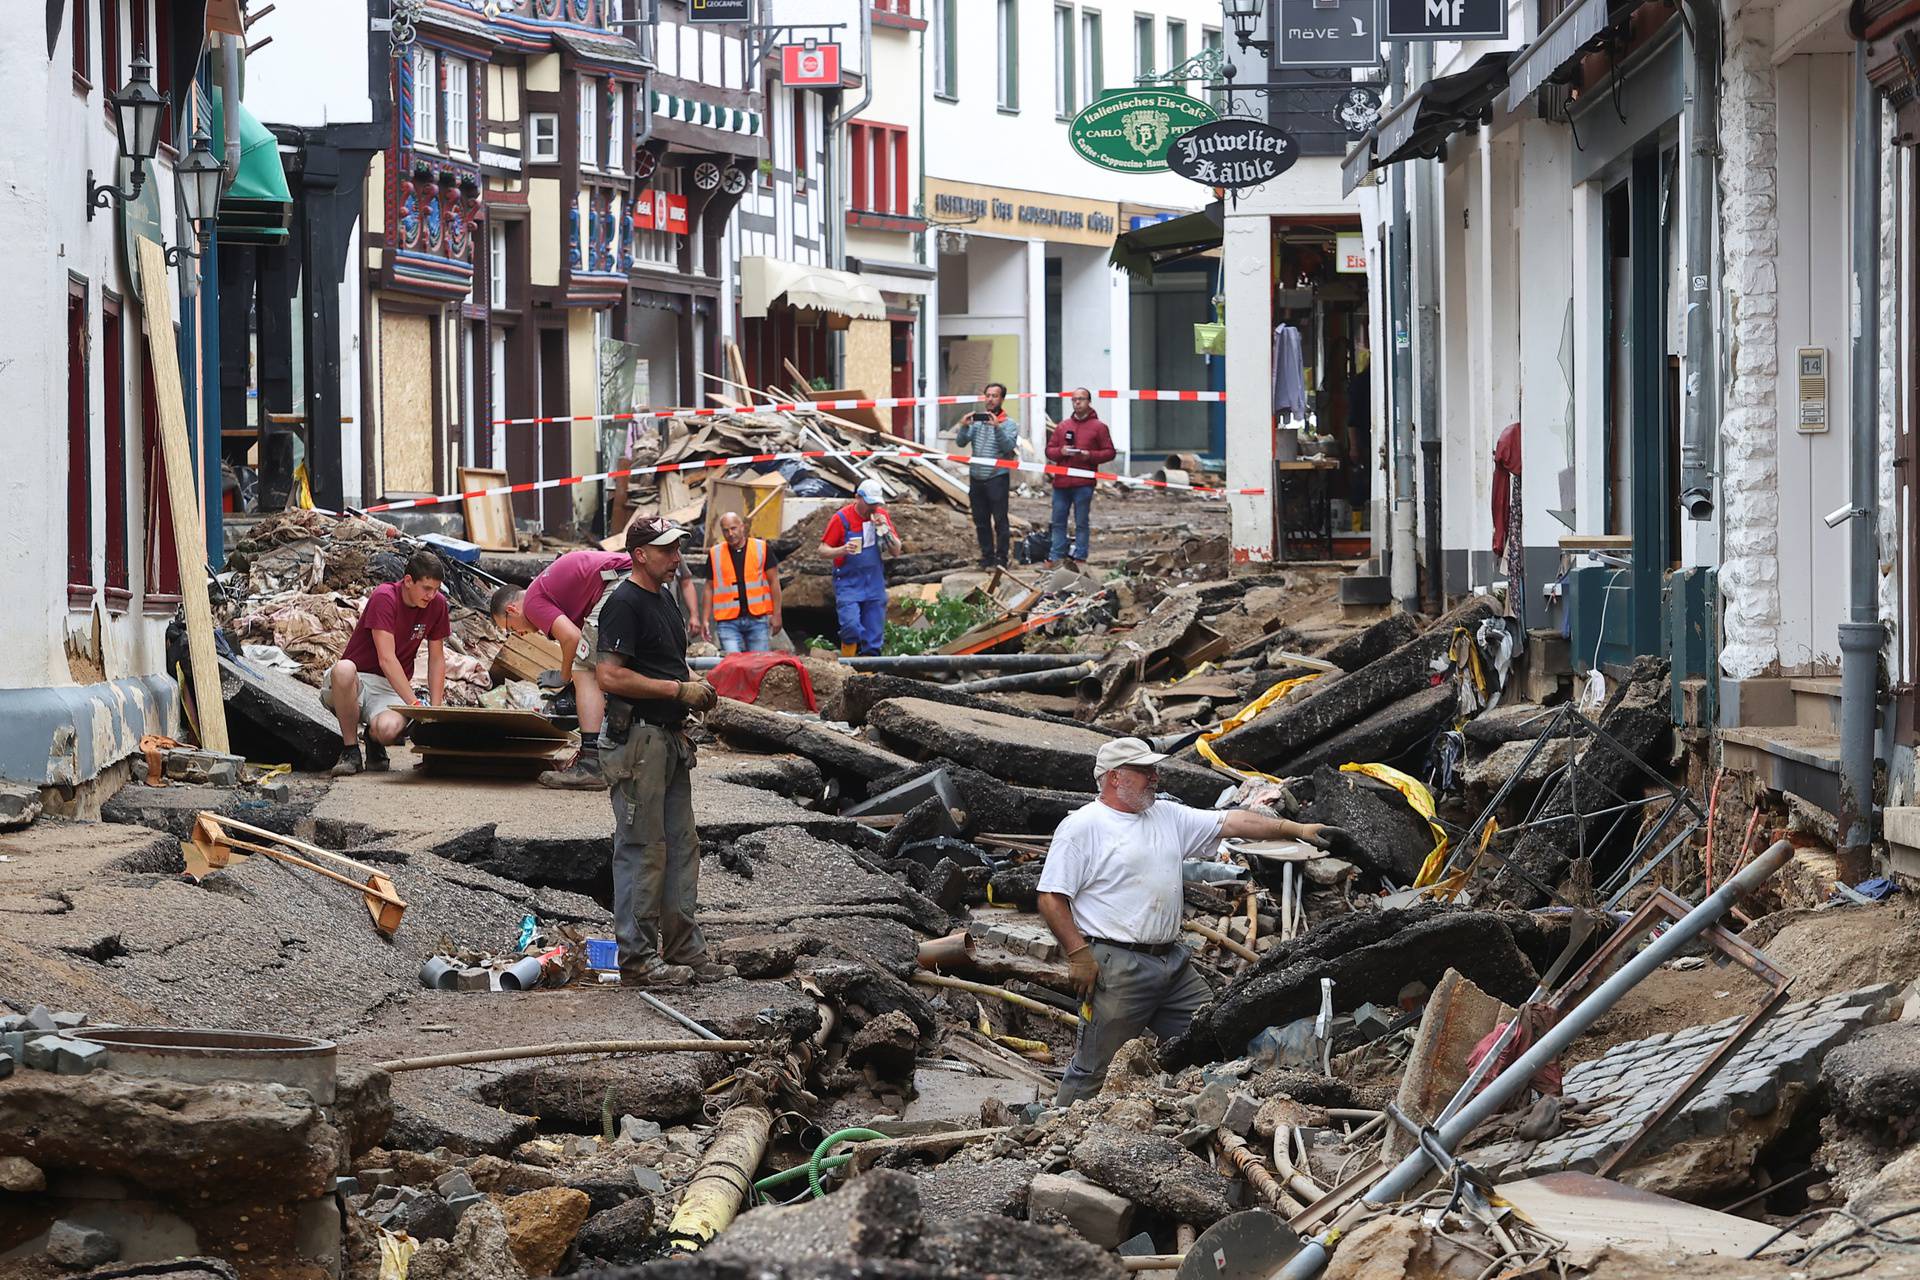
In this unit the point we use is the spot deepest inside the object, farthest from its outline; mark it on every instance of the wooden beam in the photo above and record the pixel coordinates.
(183, 495)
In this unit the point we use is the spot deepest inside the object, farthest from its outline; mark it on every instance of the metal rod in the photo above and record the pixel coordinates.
(662, 1007)
(1313, 1254)
(1700, 384)
(1027, 680)
(572, 1049)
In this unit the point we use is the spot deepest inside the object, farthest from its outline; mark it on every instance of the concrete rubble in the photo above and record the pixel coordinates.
(900, 1015)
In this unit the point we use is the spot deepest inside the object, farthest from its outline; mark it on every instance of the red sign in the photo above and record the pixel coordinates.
(817, 64)
(660, 211)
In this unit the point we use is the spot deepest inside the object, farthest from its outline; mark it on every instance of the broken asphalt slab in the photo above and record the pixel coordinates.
(866, 690)
(1372, 957)
(1335, 703)
(837, 753)
(1017, 750)
(277, 717)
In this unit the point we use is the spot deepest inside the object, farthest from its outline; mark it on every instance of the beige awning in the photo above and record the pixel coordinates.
(764, 281)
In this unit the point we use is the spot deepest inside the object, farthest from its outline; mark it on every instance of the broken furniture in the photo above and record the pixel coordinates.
(489, 742)
(213, 847)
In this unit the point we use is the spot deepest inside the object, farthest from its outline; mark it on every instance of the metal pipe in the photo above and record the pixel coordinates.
(1700, 387)
(1405, 576)
(1427, 342)
(666, 1010)
(1026, 680)
(229, 77)
(1861, 636)
(936, 662)
(566, 1049)
(1313, 1254)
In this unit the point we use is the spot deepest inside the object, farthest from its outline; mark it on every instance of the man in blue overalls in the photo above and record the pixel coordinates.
(853, 540)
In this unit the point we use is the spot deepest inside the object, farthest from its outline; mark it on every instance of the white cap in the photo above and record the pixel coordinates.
(872, 492)
(1124, 751)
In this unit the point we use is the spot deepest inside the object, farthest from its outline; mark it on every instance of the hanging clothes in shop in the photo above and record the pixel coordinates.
(1506, 517)
(1289, 374)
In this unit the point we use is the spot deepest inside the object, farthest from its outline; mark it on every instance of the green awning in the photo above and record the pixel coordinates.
(258, 206)
(1138, 252)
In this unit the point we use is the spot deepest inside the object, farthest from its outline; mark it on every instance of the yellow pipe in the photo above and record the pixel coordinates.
(1012, 998)
(719, 1186)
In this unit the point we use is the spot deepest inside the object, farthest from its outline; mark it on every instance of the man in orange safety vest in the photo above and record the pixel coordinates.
(743, 606)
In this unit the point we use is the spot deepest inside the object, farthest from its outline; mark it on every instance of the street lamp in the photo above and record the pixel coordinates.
(200, 177)
(1245, 16)
(137, 111)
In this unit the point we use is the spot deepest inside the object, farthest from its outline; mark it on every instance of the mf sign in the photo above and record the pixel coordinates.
(1445, 19)
(1328, 33)
(810, 64)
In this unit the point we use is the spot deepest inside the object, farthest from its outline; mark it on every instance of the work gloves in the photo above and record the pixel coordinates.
(1322, 836)
(1083, 970)
(696, 695)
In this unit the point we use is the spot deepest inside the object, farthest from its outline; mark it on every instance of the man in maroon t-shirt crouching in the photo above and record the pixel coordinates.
(376, 671)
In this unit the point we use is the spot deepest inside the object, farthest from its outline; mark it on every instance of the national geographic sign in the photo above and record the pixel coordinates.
(1235, 153)
(1129, 130)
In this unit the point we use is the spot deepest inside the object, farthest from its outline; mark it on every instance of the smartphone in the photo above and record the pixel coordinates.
(981, 415)
(1069, 436)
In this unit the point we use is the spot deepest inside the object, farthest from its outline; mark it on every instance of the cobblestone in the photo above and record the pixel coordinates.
(1625, 1086)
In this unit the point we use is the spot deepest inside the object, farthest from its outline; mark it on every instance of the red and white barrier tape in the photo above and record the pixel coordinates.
(1008, 464)
(895, 402)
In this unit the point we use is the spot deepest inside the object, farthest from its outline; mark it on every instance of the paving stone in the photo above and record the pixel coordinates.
(75, 1246)
(1096, 1213)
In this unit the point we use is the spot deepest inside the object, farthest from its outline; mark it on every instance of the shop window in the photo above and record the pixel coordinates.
(113, 381)
(1063, 61)
(79, 442)
(543, 137)
(1142, 44)
(1176, 43)
(426, 97)
(654, 245)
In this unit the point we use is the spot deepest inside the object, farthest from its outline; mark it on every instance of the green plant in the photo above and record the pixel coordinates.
(935, 623)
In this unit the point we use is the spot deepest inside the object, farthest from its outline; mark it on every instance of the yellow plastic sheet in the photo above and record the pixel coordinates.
(1205, 745)
(1422, 801)
(396, 1252)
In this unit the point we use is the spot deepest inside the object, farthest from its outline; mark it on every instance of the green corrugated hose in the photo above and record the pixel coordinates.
(820, 1162)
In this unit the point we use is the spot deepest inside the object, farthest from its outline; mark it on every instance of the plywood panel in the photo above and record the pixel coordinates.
(489, 520)
(406, 403)
(870, 357)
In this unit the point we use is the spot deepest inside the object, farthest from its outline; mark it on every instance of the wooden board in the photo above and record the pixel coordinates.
(183, 494)
(406, 398)
(489, 520)
(501, 722)
(757, 497)
(526, 657)
(868, 418)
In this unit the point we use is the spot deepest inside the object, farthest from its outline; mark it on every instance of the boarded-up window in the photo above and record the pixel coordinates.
(406, 403)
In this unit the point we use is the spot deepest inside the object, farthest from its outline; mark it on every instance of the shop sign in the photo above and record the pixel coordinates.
(1328, 33)
(1350, 253)
(1445, 19)
(1235, 153)
(719, 10)
(810, 64)
(1129, 130)
(1025, 215)
(660, 211)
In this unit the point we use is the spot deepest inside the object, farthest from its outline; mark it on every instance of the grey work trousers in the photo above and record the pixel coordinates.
(656, 850)
(1136, 992)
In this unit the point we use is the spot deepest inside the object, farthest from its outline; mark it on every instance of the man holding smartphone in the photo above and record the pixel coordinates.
(1080, 441)
(989, 435)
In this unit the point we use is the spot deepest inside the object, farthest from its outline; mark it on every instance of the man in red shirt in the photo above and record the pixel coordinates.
(376, 670)
(564, 602)
(1081, 441)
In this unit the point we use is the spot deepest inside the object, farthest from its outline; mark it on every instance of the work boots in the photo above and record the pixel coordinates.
(711, 970)
(658, 975)
(349, 763)
(377, 759)
(582, 775)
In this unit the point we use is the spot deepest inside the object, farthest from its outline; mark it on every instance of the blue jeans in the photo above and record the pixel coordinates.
(1080, 499)
(745, 633)
(863, 623)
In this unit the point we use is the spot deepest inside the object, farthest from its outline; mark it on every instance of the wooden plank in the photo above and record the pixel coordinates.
(526, 657)
(489, 520)
(487, 720)
(183, 495)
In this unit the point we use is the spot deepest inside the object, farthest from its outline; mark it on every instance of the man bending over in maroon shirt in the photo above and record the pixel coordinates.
(376, 671)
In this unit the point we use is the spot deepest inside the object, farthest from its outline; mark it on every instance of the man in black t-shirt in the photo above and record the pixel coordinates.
(646, 756)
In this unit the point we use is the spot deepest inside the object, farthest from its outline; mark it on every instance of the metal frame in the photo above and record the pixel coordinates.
(1666, 908)
(1585, 734)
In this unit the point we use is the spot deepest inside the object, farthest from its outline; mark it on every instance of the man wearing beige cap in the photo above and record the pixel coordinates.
(646, 756)
(1111, 892)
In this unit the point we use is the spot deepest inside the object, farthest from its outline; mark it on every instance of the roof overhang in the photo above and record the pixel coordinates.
(1157, 244)
(765, 281)
(1579, 30)
(1419, 127)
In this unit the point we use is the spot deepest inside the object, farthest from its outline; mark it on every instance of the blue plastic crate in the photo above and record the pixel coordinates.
(603, 953)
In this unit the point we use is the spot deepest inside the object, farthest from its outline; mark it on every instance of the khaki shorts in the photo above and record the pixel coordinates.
(376, 695)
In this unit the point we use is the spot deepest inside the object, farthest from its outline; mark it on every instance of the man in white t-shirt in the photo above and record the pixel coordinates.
(1111, 892)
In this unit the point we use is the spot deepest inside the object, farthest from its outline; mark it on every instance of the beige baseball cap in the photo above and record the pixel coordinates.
(1125, 751)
